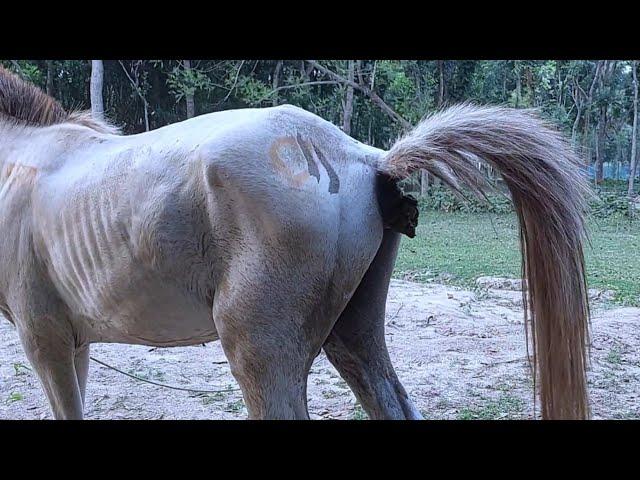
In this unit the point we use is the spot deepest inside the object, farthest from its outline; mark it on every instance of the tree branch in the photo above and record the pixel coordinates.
(297, 85)
(365, 90)
(235, 82)
(359, 70)
(18, 68)
(139, 92)
(595, 79)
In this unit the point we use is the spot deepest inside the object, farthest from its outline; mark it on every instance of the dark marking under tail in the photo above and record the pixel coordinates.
(399, 211)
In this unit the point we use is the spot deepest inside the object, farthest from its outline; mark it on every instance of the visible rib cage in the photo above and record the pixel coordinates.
(549, 195)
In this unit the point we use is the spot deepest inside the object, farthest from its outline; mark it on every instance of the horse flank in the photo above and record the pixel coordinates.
(22, 103)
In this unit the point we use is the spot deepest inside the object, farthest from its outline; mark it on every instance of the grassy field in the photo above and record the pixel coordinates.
(458, 247)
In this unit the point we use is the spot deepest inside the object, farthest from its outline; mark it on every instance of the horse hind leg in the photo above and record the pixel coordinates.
(356, 345)
(270, 364)
(271, 331)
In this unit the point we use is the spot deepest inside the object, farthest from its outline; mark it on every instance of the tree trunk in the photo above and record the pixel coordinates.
(531, 89)
(559, 84)
(375, 98)
(424, 182)
(440, 83)
(442, 92)
(601, 129)
(617, 160)
(634, 136)
(608, 71)
(504, 84)
(136, 86)
(576, 95)
(587, 114)
(348, 103)
(586, 140)
(518, 85)
(50, 78)
(95, 89)
(307, 71)
(574, 129)
(276, 82)
(191, 106)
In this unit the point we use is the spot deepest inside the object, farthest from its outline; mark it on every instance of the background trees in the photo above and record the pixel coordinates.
(95, 88)
(593, 101)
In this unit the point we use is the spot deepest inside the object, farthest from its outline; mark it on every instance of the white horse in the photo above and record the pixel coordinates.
(269, 229)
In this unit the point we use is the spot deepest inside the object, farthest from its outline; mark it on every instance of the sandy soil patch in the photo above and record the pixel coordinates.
(459, 353)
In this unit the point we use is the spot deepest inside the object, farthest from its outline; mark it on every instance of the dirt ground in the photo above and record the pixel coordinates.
(459, 353)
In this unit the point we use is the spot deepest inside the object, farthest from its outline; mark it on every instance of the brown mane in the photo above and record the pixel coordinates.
(23, 103)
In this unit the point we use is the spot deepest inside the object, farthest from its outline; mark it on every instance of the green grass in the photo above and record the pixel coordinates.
(14, 397)
(505, 407)
(21, 369)
(358, 413)
(147, 373)
(460, 247)
(614, 357)
(211, 398)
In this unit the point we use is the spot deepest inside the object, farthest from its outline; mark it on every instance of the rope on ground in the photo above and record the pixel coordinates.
(164, 385)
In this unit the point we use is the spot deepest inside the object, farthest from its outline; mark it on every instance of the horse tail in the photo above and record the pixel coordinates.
(549, 195)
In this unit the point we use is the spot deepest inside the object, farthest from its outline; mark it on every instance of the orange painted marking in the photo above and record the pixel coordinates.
(295, 171)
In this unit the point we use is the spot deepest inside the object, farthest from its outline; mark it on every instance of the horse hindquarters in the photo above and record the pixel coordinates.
(272, 324)
(294, 260)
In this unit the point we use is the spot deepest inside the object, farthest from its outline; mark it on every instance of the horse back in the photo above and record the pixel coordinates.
(135, 233)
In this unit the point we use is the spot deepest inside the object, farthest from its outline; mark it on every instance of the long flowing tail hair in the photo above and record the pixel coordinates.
(549, 193)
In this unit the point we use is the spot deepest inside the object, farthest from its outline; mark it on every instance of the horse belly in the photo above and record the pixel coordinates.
(154, 313)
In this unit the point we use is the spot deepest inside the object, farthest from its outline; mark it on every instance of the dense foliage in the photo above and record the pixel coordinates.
(609, 200)
(591, 100)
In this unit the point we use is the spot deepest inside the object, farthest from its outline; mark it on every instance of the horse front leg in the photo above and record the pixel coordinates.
(51, 353)
(81, 367)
